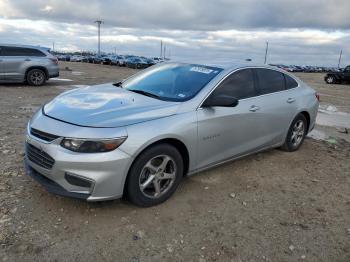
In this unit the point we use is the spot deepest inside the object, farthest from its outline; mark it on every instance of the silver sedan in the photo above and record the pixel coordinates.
(139, 137)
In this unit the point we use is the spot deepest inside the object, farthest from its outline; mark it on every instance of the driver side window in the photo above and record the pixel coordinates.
(239, 85)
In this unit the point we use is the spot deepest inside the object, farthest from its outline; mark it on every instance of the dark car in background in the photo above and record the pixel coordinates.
(136, 62)
(31, 64)
(338, 77)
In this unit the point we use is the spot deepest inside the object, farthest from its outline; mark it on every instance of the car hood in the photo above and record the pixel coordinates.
(107, 106)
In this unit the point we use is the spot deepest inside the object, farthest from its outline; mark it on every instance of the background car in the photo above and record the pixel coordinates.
(31, 64)
(338, 77)
(137, 63)
(76, 58)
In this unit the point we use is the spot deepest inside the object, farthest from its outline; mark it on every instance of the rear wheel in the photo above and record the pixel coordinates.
(296, 134)
(36, 77)
(155, 175)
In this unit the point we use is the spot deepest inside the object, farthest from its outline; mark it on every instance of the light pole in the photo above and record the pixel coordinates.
(99, 22)
(267, 48)
(161, 48)
(341, 52)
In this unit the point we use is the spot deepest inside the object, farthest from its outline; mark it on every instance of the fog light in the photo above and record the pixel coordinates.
(77, 180)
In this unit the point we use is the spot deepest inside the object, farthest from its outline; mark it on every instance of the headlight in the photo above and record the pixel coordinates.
(91, 146)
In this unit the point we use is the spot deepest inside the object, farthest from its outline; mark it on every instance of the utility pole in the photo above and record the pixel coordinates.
(267, 48)
(53, 47)
(99, 22)
(161, 48)
(164, 52)
(341, 53)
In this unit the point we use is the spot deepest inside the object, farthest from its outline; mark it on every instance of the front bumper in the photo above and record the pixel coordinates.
(92, 176)
(50, 185)
(96, 177)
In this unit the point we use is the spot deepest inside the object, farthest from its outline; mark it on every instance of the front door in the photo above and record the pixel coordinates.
(347, 73)
(225, 132)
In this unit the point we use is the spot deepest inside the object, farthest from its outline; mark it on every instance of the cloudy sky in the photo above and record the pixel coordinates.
(309, 32)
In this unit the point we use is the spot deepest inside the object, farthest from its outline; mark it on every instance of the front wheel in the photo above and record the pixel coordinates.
(296, 134)
(330, 79)
(155, 175)
(36, 77)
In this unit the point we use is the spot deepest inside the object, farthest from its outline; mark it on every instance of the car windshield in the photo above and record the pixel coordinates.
(172, 81)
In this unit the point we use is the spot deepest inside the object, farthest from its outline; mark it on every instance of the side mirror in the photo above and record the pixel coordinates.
(220, 100)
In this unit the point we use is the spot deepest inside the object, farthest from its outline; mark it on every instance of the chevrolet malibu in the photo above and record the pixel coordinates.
(141, 136)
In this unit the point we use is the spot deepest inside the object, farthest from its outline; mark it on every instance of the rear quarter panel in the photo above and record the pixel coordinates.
(306, 101)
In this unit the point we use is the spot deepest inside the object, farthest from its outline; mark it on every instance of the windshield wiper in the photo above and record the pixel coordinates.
(145, 93)
(119, 84)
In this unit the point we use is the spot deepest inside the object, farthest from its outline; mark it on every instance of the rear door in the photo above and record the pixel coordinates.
(17, 59)
(276, 104)
(12, 60)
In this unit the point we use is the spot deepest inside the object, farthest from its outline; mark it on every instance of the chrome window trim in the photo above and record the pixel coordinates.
(250, 67)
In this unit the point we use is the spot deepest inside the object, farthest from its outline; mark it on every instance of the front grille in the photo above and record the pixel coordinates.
(39, 157)
(42, 135)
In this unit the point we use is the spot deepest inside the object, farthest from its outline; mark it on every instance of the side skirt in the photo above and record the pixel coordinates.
(216, 164)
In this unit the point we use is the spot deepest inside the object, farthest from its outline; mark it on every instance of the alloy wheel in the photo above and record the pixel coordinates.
(330, 80)
(298, 133)
(37, 78)
(157, 176)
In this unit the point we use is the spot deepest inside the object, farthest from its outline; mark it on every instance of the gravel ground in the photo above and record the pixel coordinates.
(271, 206)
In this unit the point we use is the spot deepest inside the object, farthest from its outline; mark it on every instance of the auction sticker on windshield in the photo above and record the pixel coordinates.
(201, 70)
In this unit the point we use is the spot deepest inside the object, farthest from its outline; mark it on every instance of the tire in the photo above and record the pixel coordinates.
(330, 79)
(36, 77)
(160, 165)
(296, 134)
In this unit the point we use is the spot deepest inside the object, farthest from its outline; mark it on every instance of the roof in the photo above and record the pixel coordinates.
(26, 46)
(222, 64)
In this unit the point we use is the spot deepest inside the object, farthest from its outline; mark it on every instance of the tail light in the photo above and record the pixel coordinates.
(317, 96)
(54, 60)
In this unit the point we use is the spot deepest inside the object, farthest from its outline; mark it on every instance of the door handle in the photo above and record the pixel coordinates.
(290, 100)
(27, 59)
(254, 108)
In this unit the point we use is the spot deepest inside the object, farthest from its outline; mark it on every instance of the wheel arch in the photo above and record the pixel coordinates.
(308, 118)
(177, 143)
(37, 67)
(306, 114)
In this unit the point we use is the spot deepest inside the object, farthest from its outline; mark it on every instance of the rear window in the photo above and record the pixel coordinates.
(20, 51)
(290, 82)
(270, 81)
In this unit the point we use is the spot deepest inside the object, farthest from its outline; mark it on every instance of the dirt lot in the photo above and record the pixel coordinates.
(273, 206)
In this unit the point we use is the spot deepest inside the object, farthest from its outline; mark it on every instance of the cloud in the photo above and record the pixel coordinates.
(46, 8)
(188, 14)
(308, 32)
